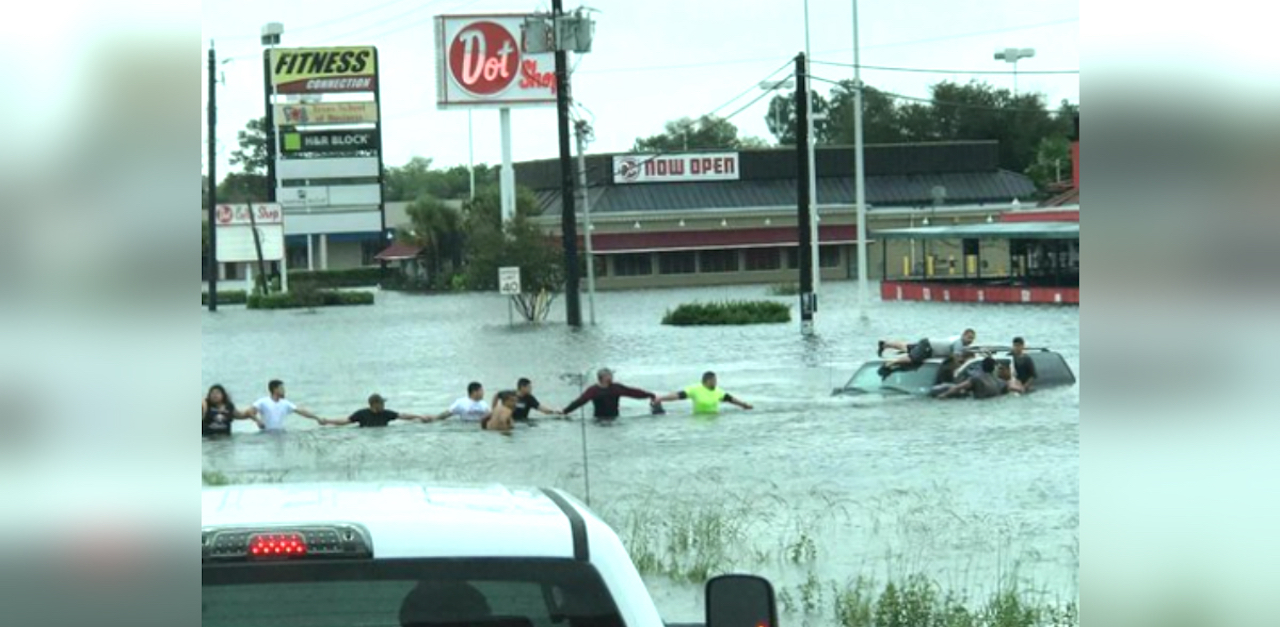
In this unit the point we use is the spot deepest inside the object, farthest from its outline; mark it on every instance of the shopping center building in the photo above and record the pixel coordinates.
(731, 218)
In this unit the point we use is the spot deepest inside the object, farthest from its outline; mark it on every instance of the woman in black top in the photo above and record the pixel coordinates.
(217, 412)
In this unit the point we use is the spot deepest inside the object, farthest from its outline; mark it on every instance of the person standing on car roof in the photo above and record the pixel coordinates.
(606, 397)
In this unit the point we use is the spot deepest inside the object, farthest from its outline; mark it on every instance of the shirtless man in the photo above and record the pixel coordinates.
(501, 419)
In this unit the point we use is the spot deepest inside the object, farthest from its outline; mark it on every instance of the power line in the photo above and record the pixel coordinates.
(725, 62)
(941, 103)
(997, 31)
(934, 71)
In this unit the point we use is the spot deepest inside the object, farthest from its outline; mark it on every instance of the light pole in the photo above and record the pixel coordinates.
(1013, 56)
(860, 174)
(769, 86)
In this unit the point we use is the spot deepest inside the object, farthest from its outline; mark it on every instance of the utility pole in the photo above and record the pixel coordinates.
(584, 132)
(569, 219)
(805, 222)
(213, 180)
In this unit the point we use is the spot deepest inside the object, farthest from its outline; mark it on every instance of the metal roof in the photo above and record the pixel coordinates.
(995, 187)
(1009, 230)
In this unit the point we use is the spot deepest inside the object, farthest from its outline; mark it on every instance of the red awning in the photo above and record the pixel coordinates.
(657, 241)
(399, 252)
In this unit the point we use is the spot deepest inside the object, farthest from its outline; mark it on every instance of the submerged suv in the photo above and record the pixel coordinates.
(1052, 371)
(403, 555)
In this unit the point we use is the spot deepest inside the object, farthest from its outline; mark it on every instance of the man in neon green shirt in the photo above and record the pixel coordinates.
(707, 397)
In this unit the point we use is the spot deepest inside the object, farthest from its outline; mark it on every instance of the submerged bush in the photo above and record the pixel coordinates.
(357, 277)
(730, 313)
(228, 297)
(306, 299)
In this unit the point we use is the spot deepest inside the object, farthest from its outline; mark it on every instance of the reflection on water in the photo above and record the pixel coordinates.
(972, 494)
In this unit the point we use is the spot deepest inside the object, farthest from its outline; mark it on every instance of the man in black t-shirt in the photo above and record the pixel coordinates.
(1023, 365)
(376, 416)
(526, 403)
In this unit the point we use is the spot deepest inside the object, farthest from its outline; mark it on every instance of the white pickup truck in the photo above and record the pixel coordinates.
(406, 555)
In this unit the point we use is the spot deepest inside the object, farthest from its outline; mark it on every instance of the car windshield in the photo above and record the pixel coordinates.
(500, 593)
(911, 381)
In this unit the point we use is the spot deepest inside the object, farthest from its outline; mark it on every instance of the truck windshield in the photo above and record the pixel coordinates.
(435, 593)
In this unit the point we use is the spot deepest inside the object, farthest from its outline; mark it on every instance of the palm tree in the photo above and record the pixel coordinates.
(437, 228)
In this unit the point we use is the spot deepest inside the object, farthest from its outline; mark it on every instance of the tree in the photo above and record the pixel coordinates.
(251, 156)
(705, 133)
(416, 179)
(519, 243)
(1053, 162)
(956, 112)
(436, 228)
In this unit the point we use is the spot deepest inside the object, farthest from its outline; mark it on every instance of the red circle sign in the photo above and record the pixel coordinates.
(484, 58)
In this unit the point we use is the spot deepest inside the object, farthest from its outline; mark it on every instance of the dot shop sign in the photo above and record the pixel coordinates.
(480, 62)
(676, 168)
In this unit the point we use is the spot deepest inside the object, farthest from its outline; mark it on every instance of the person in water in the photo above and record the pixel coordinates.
(1024, 367)
(376, 416)
(994, 381)
(217, 413)
(272, 410)
(470, 408)
(501, 418)
(606, 397)
(707, 397)
(527, 403)
(924, 350)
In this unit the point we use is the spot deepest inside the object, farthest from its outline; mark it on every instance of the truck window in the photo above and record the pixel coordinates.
(430, 593)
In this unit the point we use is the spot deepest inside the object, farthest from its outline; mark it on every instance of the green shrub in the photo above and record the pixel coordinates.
(307, 299)
(359, 277)
(231, 297)
(728, 314)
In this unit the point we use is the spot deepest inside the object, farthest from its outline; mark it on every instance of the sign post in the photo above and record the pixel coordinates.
(509, 285)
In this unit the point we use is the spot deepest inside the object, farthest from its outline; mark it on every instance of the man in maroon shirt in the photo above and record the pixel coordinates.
(606, 396)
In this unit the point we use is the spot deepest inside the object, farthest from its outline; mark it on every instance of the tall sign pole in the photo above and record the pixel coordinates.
(569, 219)
(213, 179)
(860, 174)
(807, 296)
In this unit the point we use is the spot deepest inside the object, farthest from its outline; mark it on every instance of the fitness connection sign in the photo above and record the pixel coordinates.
(324, 70)
(480, 62)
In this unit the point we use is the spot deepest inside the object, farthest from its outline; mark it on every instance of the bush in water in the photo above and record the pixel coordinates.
(306, 299)
(232, 297)
(728, 313)
(359, 277)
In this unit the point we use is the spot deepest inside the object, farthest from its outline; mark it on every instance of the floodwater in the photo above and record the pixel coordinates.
(807, 488)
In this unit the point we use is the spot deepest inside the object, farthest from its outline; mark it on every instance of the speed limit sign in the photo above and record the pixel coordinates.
(509, 281)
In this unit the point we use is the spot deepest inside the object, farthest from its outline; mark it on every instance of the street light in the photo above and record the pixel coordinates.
(770, 86)
(1012, 56)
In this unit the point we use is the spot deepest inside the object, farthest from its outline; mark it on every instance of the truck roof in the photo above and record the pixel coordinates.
(413, 521)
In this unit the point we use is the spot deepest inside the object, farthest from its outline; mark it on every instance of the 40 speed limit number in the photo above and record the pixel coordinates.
(509, 281)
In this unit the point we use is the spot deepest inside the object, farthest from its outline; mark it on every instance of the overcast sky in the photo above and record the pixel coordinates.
(653, 61)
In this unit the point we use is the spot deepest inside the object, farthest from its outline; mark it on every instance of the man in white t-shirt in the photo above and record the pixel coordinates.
(272, 411)
(469, 409)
